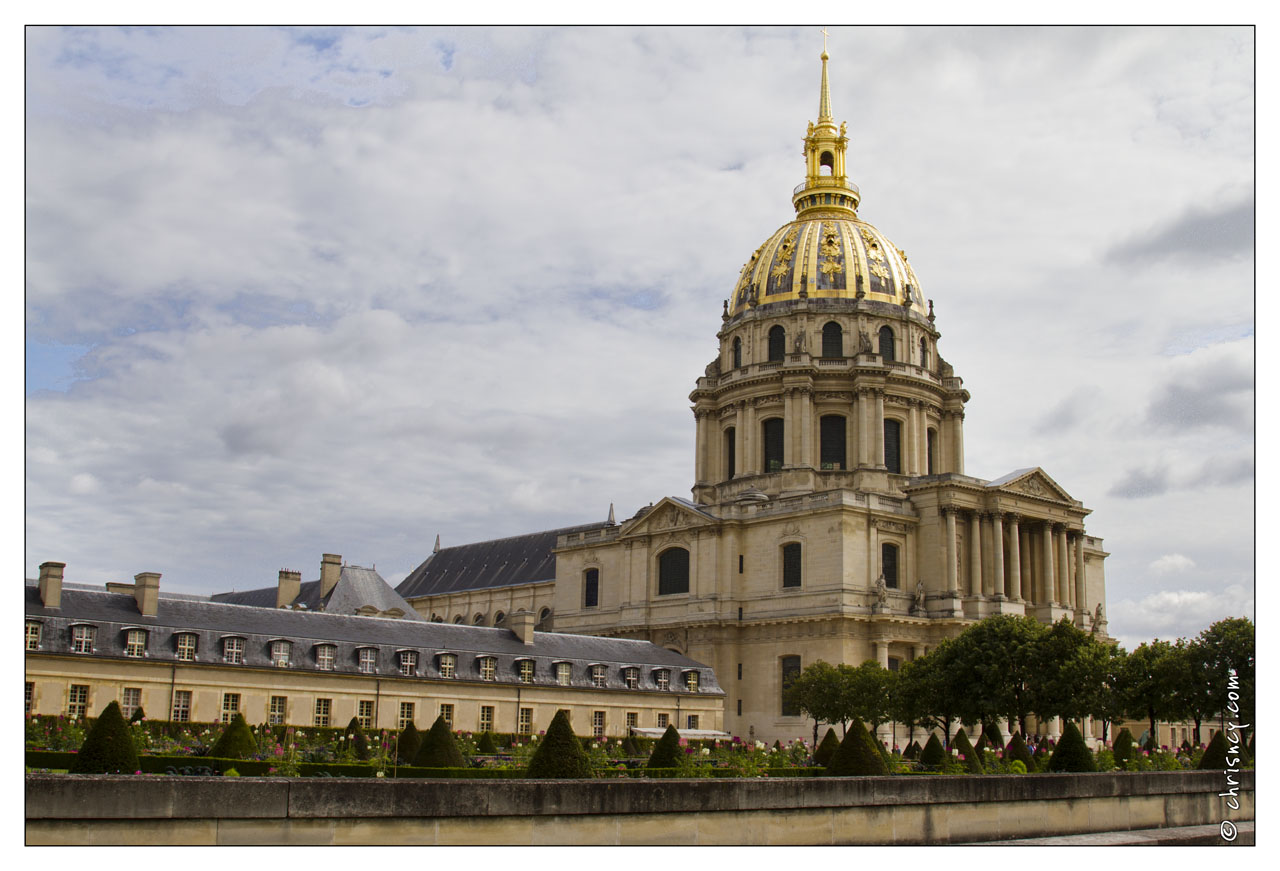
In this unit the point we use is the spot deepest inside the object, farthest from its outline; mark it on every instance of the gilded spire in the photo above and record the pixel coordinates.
(824, 99)
(826, 188)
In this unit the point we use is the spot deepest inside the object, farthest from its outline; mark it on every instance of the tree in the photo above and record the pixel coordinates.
(937, 682)
(1151, 683)
(108, 748)
(666, 753)
(1215, 755)
(998, 664)
(439, 749)
(1017, 749)
(560, 754)
(1122, 750)
(906, 704)
(815, 692)
(932, 754)
(864, 692)
(236, 741)
(1229, 646)
(1071, 667)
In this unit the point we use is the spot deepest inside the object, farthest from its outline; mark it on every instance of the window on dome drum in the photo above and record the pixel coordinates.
(730, 453)
(525, 667)
(691, 721)
(662, 679)
(831, 432)
(367, 660)
(499, 618)
(30, 695)
(931, 449)
(633, 720)
(324, 707)
(488, 668)
(436, 618)
(691, 681)
(233, 650)
(663, 720)
(889, 565)
(486, 718)
(478, 620)
(591, 588)
(790, 670)
(777, 344)
(886, 344)
(448, 665)
(598, 675)
(77, 701)
(632, 677)
(135, 642)
(737, 353)
(563, 670)
(673, 571)
(324, 657)
(446, 711)
(832, 340)
(276, 712)
(893, 446)
(130, 701)
(364, 713)
(405, 716)
(543, 615)
(524, 722)
(187, 647)
(773, 431)
(82, 638)
(230, 706)
(924, 354)
(280, 651)
(457, 619)
(408, 663)
(33, 635)
(791, 564)
(597, 724)
(181, 712)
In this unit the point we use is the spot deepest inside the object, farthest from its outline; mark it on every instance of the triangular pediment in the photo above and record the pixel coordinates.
(1031, 482)
(667, 515)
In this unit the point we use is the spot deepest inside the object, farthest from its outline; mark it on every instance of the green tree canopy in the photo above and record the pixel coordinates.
(1228, 645)
(1151, 683)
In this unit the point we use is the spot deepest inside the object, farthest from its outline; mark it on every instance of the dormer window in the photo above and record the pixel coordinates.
(280, 651)
(691, 681)
(233, 650)
(525, 670)
(488, 668)
(662, 679)
(186, 646)
(135, 642)
(563, 673)
(324, 657)
(448, 665)
(632, 677)
(33, 634)
(599, 675)
(82, 638)
(408, 662)
(367, 658)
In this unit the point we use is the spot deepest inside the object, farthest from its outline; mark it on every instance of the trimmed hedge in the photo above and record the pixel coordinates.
(410, 743)
(108, 747)
(1071, 754)
(830, 743)
(1019, 750)
(560, 753)
(666, 753)
(236, 741)
(992, 734)
(932, 754)
(857, 755)
(960, 743)
(439, 749)
(1215, 755)
(1122, 749)
(486, 745)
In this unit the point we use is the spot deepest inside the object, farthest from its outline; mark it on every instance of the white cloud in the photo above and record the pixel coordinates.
(1172, 614)
(1172, 563)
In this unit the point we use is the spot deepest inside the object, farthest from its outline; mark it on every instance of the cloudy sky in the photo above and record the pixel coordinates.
(293, 291)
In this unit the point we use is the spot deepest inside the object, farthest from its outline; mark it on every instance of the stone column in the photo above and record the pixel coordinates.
(997, 553)
(957, 423)
(700, 460)
(1082, 595)
(882, 653)
(917, 651)
(739, 449)
(953, 584)
(1047, 584)
(913, 438)
(806, 457)
(873, 553)
(878, 426)
(789, 427)
(1065, 592)
(1029, 588)
(1015, 559)
(750, 455)
(862, 457)
(975, 555)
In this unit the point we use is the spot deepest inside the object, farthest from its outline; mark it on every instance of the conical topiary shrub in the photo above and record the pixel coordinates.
(932, 754)
(629, 748)
(912, 752)
(359, 744)
(138, 715)
(1122, 750)
(486, 745)
(960, 743)
(409, 744)
(236, 741)
(822, 756)
(1150, 745)
(981, 743)
(1018, 750)
(992, 734)
(560, 753)
(857, 755)
(1072, 754)
(439, 749)
(666, 753)
(1215, 755)
(108, 748)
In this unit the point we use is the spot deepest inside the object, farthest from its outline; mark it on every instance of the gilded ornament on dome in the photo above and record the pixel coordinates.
(879, 270)
(787, 250)
(830, 267)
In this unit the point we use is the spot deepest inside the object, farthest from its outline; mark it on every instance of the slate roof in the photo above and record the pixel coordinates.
(501, 562)
(1012, 476)
(212, 621)
(357, 586)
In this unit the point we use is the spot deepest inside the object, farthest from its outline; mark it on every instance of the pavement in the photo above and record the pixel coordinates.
(1184, 835)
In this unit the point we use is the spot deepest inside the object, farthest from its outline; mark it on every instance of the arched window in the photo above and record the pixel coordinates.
(827, 163)
(893, 446)
(773, 433)
(886, 344)
(832, 340)
(478, 620)
(591, 588)
(543, 615)
(499, 618)
(831, 429)
(730, 453)
(791, 564)
(889, 565)
(673, 571)
(790, 671)
(458, 618)
(931, 450)
(777, 344)
(737, 352)
(924, 353)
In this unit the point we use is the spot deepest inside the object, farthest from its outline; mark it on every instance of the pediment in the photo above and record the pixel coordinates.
(668, 515)
(1032, 482)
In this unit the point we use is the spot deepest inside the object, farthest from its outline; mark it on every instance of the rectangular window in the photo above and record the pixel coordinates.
(892, 449)
(408, 663)
(135, 642)
(633, 719)
(31, 695)
(790, 669)
(323, 708)
(280, 651)
(33, 635)
(773, 439)
(486, 718)
(186, 647)
(448, 665)
(791, 564)
(598, 675)
(233, 650)
(82, 639)
(230, 706)
(832, 449)
(324, 657)
(526, 671)
(488, 668)
(181, 707)
(446, 711)
(276, 711)
(739, 671)
(130, 701)
(368, 660)
(662, 678)
(77, 701)
(591, 589)
(597, 724)
(524, 724)
(889, 565)
(739, 707)
(692, 721)
(406, 716)
(632, 677)
(730, 454)
(664, 720)
(364, 713)
(691, 681)
(563, 670)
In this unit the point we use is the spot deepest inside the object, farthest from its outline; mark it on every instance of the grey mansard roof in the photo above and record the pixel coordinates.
(357, 587)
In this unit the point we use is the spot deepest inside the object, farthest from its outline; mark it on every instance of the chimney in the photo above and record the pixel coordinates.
(146, 589)
(51, 584)
(330, 571)
(289, 588)
(521, 625)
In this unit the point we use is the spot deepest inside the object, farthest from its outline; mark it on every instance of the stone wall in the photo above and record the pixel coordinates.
(84, 809)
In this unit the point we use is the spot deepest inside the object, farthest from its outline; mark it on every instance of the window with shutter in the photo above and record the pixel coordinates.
(777, 344)
(773, 433)
(730, 453)
(790, 671)
(892, 446)
(791, 564)
(886, 344)
(673, 571)
(591, 589)
(832, 433)
(889, 565)
(832, 340)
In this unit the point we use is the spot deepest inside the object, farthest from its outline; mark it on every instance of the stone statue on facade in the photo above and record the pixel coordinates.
(864, 342)
(882, 591)
(919, 598)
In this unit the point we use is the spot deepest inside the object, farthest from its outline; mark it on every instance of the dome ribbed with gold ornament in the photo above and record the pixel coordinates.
(827, 252)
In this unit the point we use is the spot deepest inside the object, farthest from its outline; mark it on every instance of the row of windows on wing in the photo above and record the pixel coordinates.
(832, 345)
(481, 619)
(833, 449)
(365, 659)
